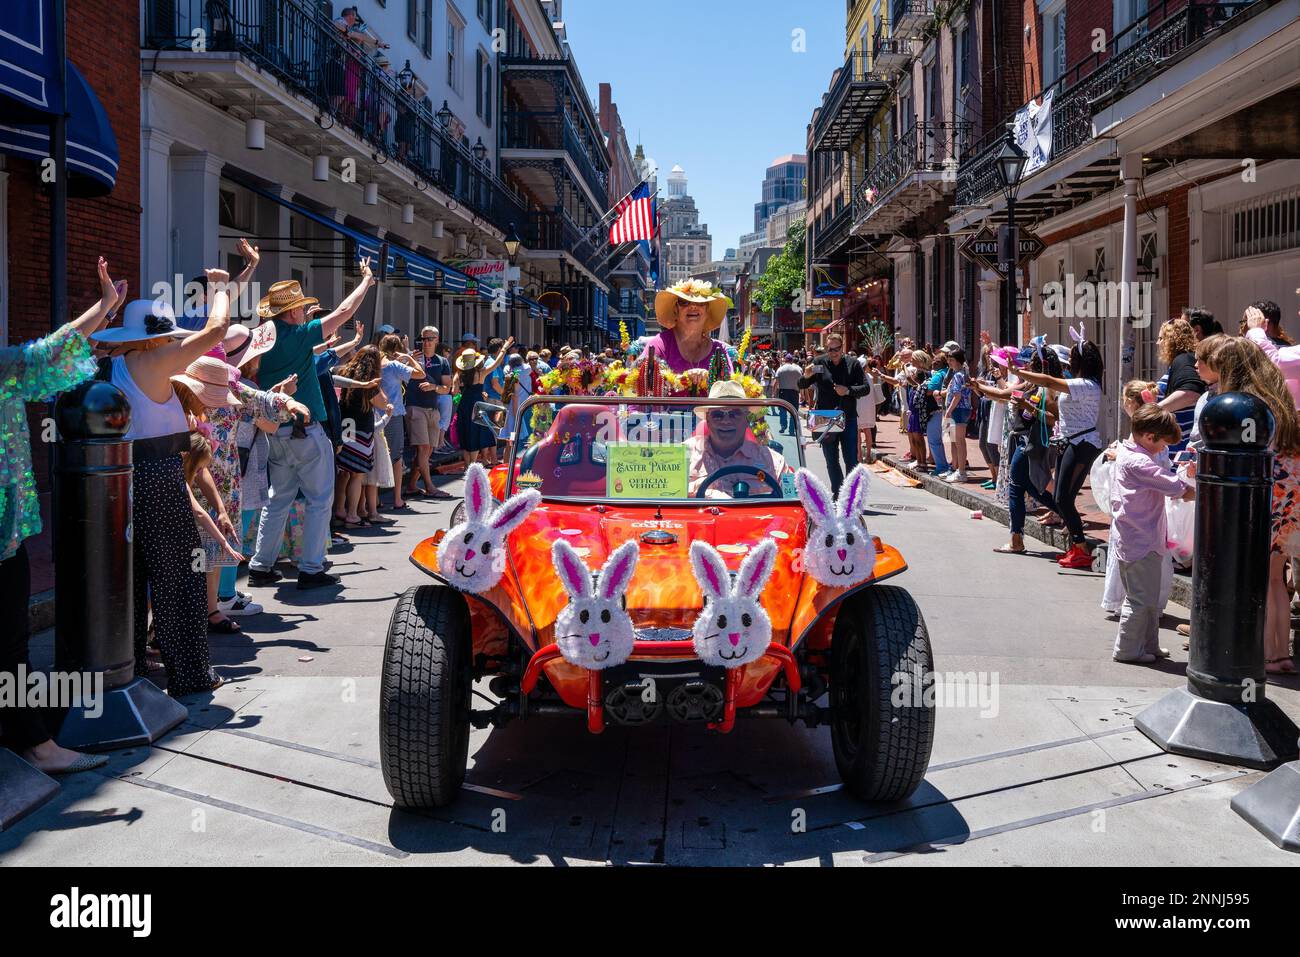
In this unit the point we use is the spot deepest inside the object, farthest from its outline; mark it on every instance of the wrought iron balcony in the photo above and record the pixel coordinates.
(933, 148)
(909, 15)
(556, 231)
(854, 96)
(1138, 53)
(554, 131)
(298, 46)
(828, 239)
(888, 51)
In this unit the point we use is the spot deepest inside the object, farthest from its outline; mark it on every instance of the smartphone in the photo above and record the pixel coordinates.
(1017, 394)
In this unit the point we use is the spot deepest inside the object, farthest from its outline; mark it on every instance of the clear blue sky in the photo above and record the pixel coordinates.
(711, 85)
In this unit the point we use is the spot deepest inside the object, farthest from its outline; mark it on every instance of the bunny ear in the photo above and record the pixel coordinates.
(516, 508)
(755, 569)
(572, 570)
(816, 497)
(710, 570)
(853, 494)
(478, 493)
(617, 573)
(1078, 334)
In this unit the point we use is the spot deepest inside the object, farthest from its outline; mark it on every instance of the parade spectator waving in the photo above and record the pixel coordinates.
(301, 455)
(1180, 386)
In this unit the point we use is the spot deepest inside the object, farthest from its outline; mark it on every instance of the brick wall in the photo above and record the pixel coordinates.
(1081, 18)
(104, 44)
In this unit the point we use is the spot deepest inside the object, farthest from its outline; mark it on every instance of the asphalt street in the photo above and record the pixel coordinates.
(1045, 767)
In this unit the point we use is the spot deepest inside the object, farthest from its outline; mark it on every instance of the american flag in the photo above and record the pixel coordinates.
(636, 217)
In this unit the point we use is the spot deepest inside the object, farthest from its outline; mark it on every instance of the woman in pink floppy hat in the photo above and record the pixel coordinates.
(213, 394)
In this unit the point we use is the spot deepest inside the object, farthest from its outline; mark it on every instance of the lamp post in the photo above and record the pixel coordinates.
(1011, 162)
(512, 244)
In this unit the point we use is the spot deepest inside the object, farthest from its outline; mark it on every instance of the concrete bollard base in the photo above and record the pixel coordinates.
(136, 714)
(1256, 735)
(22, 789)
(1272, 806)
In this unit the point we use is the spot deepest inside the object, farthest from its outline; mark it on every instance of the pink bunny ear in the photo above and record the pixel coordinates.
(478, 493)
(710, 570)
(617, 573)
(756, 568)
(1078, 335)
(516, 508)
(853, 494)
(816, 497)
(572, 570)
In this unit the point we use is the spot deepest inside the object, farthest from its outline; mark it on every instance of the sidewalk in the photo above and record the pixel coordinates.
(891, 446)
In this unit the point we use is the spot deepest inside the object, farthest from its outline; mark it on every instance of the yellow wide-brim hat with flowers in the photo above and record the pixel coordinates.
(691, 290)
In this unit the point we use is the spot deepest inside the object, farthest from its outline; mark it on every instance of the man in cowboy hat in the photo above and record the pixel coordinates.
(726, 441)
(292, 466)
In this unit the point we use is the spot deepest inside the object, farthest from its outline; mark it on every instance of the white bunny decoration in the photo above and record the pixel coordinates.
(733, 629)
(472, 556)
(840, 552)
(594, 630)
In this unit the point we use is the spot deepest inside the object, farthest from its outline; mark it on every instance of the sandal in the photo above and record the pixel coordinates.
(227, 626)
(1280, 666)
(1008, 550)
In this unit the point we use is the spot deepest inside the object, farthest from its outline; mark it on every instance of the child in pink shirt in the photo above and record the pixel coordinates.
(1138, 489)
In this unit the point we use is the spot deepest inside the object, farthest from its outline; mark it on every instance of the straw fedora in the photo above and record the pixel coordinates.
(469, 359)
(722, 389)
(691, 290)
(143, 319)
(284, 295)
(209, 379)
(244, 345)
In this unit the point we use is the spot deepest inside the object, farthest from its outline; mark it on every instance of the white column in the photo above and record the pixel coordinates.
(1131, 171)
(990, 301)
(196, 201)
(156, 222)
(277, 252)
(326, 279)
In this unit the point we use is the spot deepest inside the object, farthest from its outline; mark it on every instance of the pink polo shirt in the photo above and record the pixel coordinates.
(1286, 358)
(1138, 491)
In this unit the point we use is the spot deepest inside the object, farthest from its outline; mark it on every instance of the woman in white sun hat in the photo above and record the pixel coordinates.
(147, 350)
(689, 313)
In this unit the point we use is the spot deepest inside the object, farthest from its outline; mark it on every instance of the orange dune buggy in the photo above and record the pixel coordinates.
(864, 648)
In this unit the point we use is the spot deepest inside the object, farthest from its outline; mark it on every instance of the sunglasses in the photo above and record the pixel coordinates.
(726, 413)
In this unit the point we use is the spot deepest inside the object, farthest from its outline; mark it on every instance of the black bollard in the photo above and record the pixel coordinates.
(1223, 714)
(94, 611)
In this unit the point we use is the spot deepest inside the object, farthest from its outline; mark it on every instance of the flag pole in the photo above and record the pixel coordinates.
(605, 220)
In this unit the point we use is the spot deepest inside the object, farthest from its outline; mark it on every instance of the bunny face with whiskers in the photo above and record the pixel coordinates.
(472, 555)
(840, 552)
(733, 629)
(594, 630)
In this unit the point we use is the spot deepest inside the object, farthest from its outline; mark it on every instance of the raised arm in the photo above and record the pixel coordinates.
(251, 258)
(1286, 358)
(348, 307)
(1038, 378)
(92, 319)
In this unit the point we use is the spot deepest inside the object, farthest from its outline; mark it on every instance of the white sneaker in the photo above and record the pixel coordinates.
(240, 606)
(954, 477)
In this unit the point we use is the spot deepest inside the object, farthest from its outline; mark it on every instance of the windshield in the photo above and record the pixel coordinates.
(658, 450)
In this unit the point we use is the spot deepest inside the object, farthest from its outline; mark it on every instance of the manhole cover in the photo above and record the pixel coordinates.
(888, 507)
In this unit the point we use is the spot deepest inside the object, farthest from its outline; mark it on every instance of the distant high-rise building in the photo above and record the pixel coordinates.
(688, 245)
(677, 183)
(785, 183)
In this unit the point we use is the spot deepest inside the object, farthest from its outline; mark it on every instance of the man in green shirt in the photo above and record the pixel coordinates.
(301, 462)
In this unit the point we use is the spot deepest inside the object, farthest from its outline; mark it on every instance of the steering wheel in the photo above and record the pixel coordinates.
(772, 481)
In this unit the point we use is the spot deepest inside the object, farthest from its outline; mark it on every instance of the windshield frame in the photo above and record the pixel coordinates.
(686, 402)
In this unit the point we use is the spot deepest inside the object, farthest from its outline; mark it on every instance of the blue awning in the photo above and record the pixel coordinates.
(92, 148)
(418, 267)
(28, 61)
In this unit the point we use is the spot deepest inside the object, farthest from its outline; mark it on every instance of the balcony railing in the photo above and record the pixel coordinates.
(555, 230)
(854, 95)
(1145, 47)
(302, 49)
(887, 50)
(830, 237)
(553, 131)
(911, 13)
(925, 148)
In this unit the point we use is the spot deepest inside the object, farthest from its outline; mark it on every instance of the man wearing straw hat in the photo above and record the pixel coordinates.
(301, 455)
